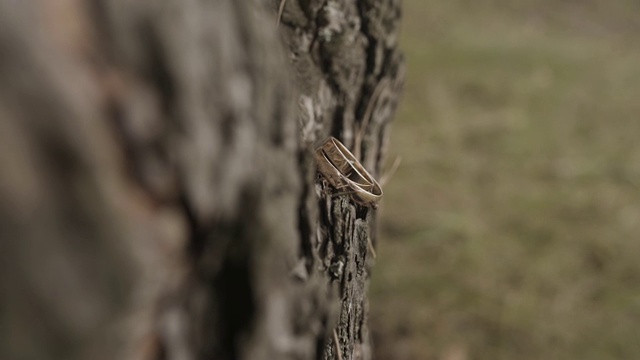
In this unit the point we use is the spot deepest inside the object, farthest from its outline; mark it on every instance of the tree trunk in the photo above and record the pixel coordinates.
(158, 195)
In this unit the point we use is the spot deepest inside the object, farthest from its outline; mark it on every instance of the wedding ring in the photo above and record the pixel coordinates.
(367, 197)
(342, 170)
(346, 163)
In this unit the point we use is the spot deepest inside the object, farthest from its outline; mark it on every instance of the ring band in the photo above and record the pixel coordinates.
(346, 163)
(341, 168)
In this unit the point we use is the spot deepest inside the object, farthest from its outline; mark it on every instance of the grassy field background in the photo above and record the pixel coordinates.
(512, 228)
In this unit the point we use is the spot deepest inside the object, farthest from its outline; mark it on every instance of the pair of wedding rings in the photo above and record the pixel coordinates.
(344, 172)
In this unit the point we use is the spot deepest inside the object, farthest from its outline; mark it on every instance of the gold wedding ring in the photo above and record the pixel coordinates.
(342, 170)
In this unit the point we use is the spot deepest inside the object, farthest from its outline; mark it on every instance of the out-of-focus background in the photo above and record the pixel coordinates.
(512, 228)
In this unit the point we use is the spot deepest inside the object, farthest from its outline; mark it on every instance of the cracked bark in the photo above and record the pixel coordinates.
(349, 74)
(158, 198)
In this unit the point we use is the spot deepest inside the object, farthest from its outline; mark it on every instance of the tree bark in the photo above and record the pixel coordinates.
(158, 196)
(349, 73)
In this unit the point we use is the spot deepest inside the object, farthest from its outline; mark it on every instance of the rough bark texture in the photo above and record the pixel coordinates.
(158, 198)
(349, 73)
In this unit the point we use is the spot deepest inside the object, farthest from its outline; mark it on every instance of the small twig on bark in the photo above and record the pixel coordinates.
(280, 11)
(357, 148)
(387, 176)
(335, 340)
(371, 248)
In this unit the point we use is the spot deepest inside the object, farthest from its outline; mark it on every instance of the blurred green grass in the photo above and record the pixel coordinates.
(511, 229)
